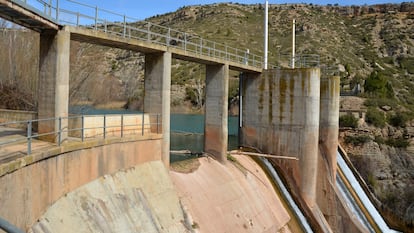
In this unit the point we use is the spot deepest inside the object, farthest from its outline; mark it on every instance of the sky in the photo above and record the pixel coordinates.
(143, 9)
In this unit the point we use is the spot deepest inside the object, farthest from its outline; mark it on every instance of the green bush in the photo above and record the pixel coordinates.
(357, 140)
(397, 142)
(394, 142)
(348, 121)
(375, 117)
(397, 120)
(378, 85)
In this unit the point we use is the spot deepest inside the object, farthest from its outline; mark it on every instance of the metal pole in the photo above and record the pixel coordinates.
(293, 43)
(57, 11)
(77, 19)
(83, 128)
(158, 124)
(185, 41)
(201, 46)
(124, 26)
(104, 126)
(168, 36)
(60, 131)
(142, 124)
(149, 31)
(96, 18)
(29, 137)
(266, 34)
(122, 125)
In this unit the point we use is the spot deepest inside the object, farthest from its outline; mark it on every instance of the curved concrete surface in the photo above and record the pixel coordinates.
(140, 199)
(233, 197)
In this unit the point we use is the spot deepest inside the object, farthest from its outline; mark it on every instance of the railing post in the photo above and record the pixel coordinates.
(60, 130)
(201, 46)
(29, 137)
(57, 11)
(83, 128)
(106, 26)
(96, 18)
(122, 125)
(168, 38)
(148, 31)
(158, 124)
(185, 41)
(50, 8)
(104, 126)
(142, 125)
(124, 26)
(77, 19)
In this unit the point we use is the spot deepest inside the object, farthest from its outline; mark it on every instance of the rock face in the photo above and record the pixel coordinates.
(386, 166)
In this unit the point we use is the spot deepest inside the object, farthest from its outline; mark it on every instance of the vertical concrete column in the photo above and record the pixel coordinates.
(329, 122)
(249, 109)
(157, 96)
(53, 100)
(215, 128)
(308, 157)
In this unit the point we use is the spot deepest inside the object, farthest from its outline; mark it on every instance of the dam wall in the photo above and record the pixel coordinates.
(294, 114)
(139, 199)
(281, 117)
(31, 184)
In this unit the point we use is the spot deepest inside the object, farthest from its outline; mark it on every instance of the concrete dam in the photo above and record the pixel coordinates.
(60, 178)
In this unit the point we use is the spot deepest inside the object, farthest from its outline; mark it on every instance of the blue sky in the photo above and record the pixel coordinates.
(145, 9)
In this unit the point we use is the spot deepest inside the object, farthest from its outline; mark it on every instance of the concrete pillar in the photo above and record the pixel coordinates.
(281, 117)
(157, 96)
(329, 122)
(309, 150)
(53, 99)
(249, 109)
(215, 128)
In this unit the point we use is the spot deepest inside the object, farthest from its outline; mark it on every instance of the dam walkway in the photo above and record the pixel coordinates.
(61, 21)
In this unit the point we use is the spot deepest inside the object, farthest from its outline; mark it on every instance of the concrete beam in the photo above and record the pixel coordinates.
(215, 128)
(53, 99)
(157, 96)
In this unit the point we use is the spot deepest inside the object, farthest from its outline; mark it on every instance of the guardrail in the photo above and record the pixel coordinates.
(87, 126)
(127, 27)
(300, 61)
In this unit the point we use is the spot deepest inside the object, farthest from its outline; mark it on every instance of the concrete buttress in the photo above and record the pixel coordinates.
(157, 96)
(53, 100)
(215, 128)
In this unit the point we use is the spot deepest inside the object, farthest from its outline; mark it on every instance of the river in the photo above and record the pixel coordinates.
(187, 130)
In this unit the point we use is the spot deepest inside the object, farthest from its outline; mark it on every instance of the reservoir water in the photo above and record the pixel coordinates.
(187, 130)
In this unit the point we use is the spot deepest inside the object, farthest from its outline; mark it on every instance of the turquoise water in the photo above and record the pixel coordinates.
(187, 130)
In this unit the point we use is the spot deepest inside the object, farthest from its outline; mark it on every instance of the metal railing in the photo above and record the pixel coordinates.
(95, 18)
(300, 60)
(143, 126)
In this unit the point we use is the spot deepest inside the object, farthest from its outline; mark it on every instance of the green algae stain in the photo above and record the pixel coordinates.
(261, 90)
(282, 94)
(271, 89)
(292, 97)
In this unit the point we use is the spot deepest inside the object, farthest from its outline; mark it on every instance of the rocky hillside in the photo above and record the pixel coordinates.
(372, 46)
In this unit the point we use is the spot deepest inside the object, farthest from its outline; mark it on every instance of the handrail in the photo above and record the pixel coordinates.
(123, 26)
(138, 128)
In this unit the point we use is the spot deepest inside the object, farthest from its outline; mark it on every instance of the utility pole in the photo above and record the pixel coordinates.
(266, 34)
(293, 43)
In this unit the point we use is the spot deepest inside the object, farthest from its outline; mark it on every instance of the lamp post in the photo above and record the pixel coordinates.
(266, 34)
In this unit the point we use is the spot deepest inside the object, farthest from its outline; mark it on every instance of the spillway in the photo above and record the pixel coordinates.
(347, 184)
